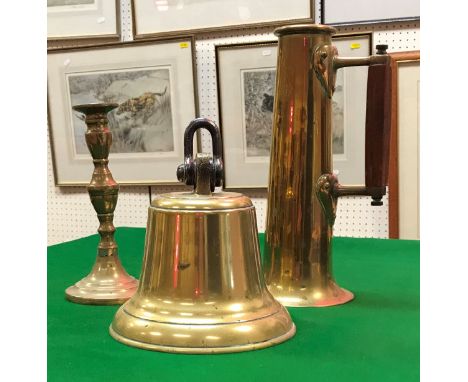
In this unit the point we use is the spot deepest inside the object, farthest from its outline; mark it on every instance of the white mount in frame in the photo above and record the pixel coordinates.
(174, 17)
(73, 19)
(246, 86)
(153, 84)
(337, 12)
(246, 82)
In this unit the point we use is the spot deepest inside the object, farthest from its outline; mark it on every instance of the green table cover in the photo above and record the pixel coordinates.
(373, 338)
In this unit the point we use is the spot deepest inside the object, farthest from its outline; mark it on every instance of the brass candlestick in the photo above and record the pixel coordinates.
(108, 283)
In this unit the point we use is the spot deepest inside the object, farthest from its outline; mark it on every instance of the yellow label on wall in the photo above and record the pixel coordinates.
(355, 45)
(184, 45)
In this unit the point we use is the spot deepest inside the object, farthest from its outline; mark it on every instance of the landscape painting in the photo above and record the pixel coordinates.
(142, 123)
(258, 95)
(258, 87)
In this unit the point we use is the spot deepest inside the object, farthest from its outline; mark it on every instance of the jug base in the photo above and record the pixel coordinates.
(312, 297)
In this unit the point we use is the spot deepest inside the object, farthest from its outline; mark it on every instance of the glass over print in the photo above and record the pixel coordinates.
(152, 84)
(142, 123)
(77, 19)
(246, 82)
(152, 17)
(258, 90)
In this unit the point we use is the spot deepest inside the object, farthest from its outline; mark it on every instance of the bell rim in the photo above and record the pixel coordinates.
(231, 337)
(204, 350)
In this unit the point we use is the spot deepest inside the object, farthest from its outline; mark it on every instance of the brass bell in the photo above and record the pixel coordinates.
(201, 288)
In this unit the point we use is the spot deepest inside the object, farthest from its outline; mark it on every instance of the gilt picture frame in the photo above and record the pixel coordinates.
(165, 18)
(403, 174)
(246, 76)
(83, 20)
(153, 82)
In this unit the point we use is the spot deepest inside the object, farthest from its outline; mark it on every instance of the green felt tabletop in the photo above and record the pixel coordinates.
(373, 338)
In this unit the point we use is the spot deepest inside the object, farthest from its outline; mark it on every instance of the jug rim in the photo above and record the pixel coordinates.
(304, 29)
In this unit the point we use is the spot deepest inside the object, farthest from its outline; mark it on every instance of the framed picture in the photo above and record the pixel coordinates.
(166, 17)
(403, 178)
(153, 83)
(246, 76)
(83, 19)
(339, 12)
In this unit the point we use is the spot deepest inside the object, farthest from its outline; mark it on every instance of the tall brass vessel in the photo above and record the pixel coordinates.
(201, 287)
(303, 192)
(108, 283)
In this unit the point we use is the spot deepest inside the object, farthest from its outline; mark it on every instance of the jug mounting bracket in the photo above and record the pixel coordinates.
(324, 69)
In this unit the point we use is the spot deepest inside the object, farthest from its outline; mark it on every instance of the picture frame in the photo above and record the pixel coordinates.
(245, 128)
(83, 20)
(403, 207)
(338, 12)
(148, 140)
(163, 18)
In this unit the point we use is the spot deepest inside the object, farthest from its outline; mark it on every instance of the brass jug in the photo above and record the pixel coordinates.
(303, 191)
(201, 288)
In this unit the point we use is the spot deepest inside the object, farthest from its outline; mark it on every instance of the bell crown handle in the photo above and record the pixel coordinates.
(187, 172)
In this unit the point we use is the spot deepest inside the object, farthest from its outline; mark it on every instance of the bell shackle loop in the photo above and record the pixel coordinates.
(186, 172)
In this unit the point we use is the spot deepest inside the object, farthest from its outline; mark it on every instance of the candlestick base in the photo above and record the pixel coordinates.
(107, 284)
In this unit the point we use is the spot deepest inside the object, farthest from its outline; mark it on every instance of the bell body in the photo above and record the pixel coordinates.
(201, 288)
(297, 259)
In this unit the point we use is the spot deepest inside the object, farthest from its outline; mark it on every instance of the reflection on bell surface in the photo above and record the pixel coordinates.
(201, 288)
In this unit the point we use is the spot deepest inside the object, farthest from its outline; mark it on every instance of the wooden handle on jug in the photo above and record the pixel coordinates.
(378, 126)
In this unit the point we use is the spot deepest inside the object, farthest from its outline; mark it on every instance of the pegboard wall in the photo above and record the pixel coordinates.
(70, 214)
